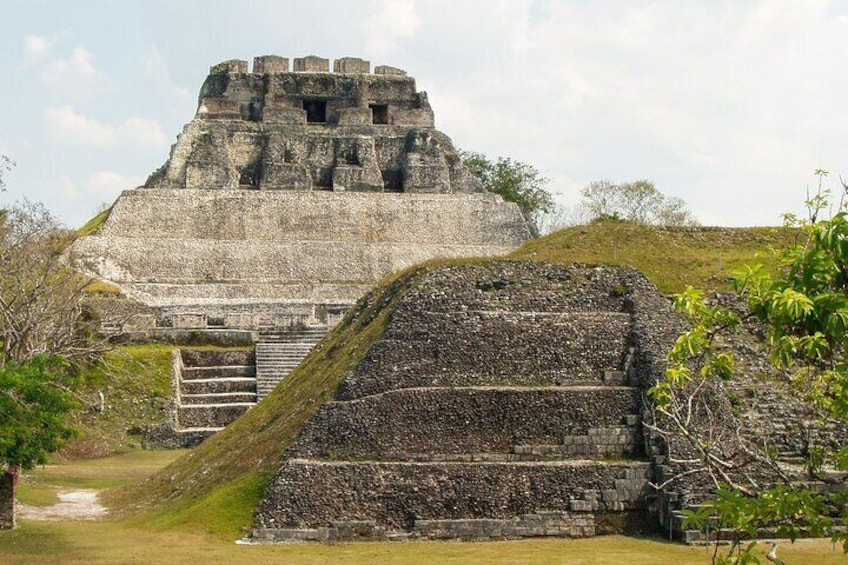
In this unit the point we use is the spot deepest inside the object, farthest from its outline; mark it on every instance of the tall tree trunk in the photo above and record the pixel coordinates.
(8, 488)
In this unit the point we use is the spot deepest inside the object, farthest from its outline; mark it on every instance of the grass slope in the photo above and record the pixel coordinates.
(671, 257)
(64, 543)
(216, 488)
(93, 226)
(136, 384)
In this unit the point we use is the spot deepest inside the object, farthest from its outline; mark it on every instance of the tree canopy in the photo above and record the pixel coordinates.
(34, 401)
(6, 165)
(639, 202)
(803, 307)
(516, 182)
(43, 325)
(41, 296)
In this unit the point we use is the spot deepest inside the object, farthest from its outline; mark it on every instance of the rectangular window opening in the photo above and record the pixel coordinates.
(316, 111)
(379, 114)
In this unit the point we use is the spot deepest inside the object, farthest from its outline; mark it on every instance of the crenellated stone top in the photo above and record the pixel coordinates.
(310, 93)
(267, 64)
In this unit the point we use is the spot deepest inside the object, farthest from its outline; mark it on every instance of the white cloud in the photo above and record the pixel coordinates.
(141, 131)
(78, 66)
(392, 22)
(37, 47)
(73, 76)
(66, 125)
(156, 73)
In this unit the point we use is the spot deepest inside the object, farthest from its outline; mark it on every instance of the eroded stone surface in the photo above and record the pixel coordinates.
(502, 400)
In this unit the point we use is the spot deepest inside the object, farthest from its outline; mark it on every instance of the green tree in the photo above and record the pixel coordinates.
(804, 308)
(34, 404)
(43, 327)
(516, 182)
(638, 202)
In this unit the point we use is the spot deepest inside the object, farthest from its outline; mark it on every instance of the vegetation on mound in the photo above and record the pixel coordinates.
(672, 257)
(135, 381)
(93, 226)
(216, 488)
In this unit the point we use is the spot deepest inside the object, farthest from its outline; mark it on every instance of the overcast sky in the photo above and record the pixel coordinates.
(728, 105)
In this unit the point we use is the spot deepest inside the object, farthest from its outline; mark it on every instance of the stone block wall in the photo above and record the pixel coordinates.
(409, 497)
(180, 247)
(544, 349)
(483, 422)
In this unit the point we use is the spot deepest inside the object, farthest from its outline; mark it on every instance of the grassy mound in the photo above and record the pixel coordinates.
(671, 257)
(93, 226)
(135, 381)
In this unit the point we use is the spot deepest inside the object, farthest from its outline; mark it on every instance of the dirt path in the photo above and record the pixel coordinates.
(73, 505)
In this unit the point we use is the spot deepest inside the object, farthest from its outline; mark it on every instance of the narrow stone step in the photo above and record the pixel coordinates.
(212, 358)
(219, 372)
(211, 415)
(212, 386)
(216, 398)
(274, 361)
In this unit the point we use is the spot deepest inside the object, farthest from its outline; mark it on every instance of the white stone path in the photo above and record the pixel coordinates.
(73, 505)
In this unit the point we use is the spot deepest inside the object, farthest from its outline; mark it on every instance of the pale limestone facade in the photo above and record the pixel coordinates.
(290, 194)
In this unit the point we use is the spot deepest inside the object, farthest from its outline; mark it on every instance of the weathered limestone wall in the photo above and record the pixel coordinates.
(183, 247)
(296, 190)
(237, 215)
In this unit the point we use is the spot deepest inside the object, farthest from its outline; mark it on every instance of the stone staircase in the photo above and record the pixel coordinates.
(213, 389)
(280, 351)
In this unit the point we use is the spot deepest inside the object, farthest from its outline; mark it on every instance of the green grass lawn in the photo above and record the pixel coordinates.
(128, 541)
(671, 257)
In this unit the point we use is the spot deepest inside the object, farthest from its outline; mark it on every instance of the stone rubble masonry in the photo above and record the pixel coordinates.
(387, 70)
(498, 403)
(496, 423)
(428, 498)
(351, 65)
(311, 64)
(270, 64)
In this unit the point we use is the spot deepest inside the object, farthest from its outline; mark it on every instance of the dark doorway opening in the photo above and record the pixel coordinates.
(379, 114)
(316, 110)
(392, 180)
(250, 175)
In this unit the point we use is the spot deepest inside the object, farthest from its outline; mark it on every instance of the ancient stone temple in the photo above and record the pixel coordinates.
(289, 195)
(299, 189)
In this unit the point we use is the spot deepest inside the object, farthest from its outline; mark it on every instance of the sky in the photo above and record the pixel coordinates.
(730, 106)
